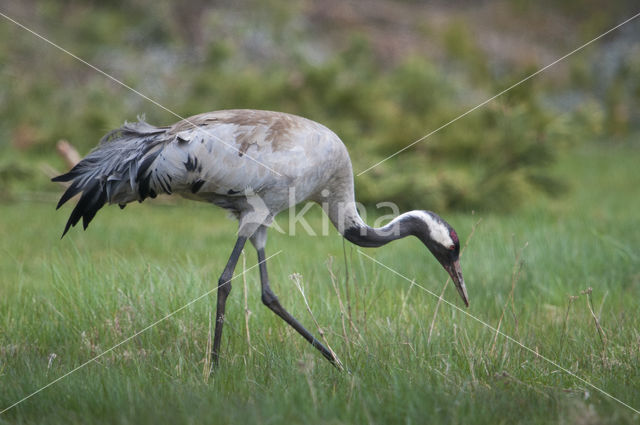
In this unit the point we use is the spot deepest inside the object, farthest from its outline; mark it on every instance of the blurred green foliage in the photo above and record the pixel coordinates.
(266, 55)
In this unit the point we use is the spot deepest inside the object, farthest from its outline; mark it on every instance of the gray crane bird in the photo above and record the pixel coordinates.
(254, 164)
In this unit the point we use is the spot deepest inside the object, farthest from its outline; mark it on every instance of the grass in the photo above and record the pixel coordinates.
(63, 302)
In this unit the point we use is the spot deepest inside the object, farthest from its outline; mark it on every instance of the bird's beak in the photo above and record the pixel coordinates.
(456, 274)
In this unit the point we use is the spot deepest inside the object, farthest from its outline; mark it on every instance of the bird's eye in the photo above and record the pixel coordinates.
(451, 247)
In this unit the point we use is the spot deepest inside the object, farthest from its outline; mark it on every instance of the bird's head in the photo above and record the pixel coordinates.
(440, 238)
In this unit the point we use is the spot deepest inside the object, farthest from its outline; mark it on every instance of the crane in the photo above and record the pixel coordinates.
(254, 164)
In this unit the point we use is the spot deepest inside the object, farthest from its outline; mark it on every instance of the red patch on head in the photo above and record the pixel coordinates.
(454, 236)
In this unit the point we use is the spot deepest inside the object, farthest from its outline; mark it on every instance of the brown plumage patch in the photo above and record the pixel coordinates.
(280, 131)
(254, 127)
(244, 147)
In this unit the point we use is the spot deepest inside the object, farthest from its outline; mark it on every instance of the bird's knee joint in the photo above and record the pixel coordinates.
(268, 298)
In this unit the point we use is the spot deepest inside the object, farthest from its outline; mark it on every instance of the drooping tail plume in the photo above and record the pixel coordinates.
(116, 171)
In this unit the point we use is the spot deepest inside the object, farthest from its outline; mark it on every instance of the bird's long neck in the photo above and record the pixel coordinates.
(343, 213)
(367, 236)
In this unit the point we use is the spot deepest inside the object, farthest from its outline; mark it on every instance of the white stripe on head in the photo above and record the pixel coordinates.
(438, 231)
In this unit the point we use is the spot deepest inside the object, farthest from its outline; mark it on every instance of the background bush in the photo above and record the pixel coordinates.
(330, 64)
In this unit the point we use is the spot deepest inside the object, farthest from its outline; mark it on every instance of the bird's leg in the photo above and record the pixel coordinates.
(271, 300)
(224, 287)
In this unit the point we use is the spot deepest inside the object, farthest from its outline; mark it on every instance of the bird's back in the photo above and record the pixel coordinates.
(264, 152)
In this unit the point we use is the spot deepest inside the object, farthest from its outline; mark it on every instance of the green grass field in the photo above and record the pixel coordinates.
(63, 302)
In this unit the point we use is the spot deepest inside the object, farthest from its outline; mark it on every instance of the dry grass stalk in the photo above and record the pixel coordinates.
(334, 281)
(515, 276)
(297, 279)
(207, 367)
(346, 281)
(514, 280)
(604, 298)
(332, 276)
(435, 312)
(601, 334)
(365, 292)
(572, 298)
(247, 312)
(68, 153)
(364, 309)
(467, 354)
(307, 365)
(406, 297)
(354, 281)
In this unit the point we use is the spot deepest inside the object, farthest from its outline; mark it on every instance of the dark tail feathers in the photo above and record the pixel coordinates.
(116, 170)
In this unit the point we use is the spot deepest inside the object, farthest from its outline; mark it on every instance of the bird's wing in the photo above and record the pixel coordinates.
(229, 152)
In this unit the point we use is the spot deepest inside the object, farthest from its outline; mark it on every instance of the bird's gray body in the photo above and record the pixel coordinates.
(278, 157)
(241, 160)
